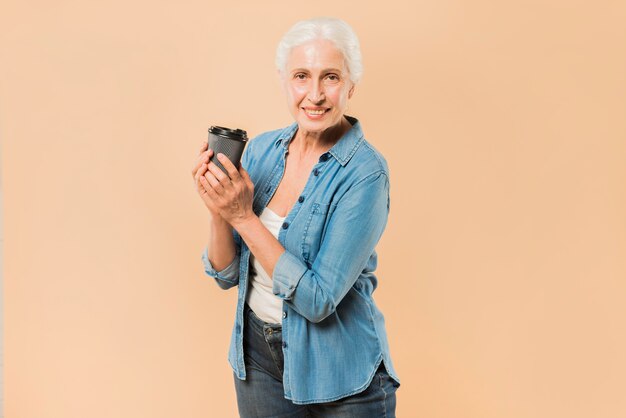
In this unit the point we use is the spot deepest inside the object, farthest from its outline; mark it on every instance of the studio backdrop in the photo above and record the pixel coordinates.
(501, 271)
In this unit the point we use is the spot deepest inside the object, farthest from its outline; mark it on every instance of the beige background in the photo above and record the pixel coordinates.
(502, 270)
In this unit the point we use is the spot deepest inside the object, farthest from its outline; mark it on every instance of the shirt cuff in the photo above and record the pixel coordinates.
(228, 274)
(288, 271)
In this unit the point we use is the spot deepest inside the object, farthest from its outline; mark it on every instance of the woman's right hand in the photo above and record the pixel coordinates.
(199, 168)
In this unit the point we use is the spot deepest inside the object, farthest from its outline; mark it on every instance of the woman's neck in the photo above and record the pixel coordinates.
(315, 143)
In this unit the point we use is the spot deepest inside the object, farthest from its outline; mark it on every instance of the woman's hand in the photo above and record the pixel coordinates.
(231, 194)
(197, 172)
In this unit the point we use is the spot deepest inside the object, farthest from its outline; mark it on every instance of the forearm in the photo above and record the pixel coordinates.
(221, 249)
(265, 247)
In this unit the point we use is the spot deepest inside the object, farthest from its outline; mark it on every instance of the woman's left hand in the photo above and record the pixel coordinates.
(232, 193)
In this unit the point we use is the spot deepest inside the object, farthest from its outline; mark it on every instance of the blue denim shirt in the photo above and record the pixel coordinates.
(334, 335)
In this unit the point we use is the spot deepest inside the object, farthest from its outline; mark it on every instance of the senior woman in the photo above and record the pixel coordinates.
(295, 228)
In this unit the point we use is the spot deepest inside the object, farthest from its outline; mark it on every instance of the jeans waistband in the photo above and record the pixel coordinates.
(262, 325)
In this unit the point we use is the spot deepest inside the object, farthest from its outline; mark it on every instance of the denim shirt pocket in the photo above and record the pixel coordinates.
(315, 229)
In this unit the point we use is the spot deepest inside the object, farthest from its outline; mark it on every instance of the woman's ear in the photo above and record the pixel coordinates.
(351, 91)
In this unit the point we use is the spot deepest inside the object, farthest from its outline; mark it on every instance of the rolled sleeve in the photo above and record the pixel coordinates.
(226, 278)
(346, 252)
(288, 271)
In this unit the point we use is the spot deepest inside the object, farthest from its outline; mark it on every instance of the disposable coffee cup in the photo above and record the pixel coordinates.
(229, 142)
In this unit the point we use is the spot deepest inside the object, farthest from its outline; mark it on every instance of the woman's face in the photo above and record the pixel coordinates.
(317, 85)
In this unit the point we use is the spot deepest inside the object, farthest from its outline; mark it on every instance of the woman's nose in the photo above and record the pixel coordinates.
(316, 93)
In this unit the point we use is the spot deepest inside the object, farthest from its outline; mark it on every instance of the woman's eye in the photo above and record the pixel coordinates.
(332, 77)
(300, 76)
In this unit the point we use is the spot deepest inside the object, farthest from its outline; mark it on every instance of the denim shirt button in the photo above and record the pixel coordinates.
(268, 189)
(284, 344)
(316, 172)
(301, 199)
(284, 315)
(324, 157)
(285, 225)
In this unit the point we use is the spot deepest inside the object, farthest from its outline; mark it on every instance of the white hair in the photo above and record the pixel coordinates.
(332, 29)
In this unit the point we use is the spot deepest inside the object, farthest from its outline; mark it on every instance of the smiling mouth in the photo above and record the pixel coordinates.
(315, 112)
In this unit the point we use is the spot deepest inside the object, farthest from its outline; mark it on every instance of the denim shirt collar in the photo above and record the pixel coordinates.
(343, 150)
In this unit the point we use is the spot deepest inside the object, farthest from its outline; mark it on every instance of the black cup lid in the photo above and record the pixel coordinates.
(238, 134)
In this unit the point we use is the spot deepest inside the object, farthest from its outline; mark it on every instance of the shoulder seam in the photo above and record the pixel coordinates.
(376, 154)
(374, 174)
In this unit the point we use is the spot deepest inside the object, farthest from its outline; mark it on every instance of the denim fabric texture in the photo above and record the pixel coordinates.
(333, 334)
(261, 394)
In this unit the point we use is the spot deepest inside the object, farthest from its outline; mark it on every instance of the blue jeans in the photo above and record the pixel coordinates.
(261, 394)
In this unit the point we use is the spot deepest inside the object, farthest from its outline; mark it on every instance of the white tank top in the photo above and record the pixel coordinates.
(260, 297)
